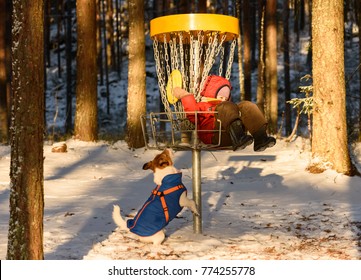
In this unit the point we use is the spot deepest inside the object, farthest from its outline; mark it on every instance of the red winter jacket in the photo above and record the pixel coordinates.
(205, 121)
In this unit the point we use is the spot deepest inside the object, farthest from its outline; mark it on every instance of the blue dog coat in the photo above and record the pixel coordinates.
(161, 207)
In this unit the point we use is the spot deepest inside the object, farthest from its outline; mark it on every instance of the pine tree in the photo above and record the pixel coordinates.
(136, 103)
(25, 238)
(271, 65)
(86, 117)
(3, 75)
(329, 140)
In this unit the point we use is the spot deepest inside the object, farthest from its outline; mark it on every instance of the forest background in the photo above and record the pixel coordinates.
(40, 86)
(294, 60)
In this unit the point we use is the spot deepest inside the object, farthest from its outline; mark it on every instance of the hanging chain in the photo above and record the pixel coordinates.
(199, 55)
(215, 45)
(196, 64)
(167, 68)
(196, 60)
(161, 81)
(173, 55)
(182, 59)
(191, 63)
(182, 70)
(166, 55)
(221, 61)
(187, 63)
(205, 71)
(230, 59)
(171, 49)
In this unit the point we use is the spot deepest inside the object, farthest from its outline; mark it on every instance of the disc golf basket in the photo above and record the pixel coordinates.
(187, 48)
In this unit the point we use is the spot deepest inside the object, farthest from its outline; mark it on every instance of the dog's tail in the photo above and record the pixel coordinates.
(117, 218)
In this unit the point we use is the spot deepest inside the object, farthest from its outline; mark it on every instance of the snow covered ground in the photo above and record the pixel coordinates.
(262, 206)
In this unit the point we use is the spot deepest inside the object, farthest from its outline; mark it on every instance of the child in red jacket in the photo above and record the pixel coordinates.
(236, 119)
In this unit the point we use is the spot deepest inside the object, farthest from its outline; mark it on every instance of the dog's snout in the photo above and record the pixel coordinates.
(163, 163)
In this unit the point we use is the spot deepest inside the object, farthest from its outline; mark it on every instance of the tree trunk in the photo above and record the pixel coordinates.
(358, 13)
(239, 53)
(86, 124)
(68, 51)
(253, 12)
(261, 63)
(136, 103)
(110, 34)
(286, 55)
(25, 238)
(247, 27)
(99, 42)
(329, 145)
(271, 65)
(202, 6)
(3, 75)
(159, 8)
(184, 7)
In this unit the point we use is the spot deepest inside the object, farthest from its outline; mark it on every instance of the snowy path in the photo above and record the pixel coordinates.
(255, 206)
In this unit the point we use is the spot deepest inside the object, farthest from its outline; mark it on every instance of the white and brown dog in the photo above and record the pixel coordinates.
(165, 202)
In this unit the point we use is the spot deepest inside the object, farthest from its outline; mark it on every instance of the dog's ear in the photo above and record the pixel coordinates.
(148, 165)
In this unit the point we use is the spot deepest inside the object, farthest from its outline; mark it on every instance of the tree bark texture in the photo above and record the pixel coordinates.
(86, 123)
(286, 63)
(358, 8)
(247, 52)
(25, 238)
(329, 144)
(136, 74)
(3, 75)
(261, 62)
(271, 65)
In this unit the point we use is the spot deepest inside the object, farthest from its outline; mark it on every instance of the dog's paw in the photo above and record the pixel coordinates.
(116, 208)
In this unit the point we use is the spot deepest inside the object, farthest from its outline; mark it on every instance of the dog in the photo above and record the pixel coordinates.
(165, 202)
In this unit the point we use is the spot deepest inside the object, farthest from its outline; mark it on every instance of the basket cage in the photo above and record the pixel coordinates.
(196, 54)
(162, 132)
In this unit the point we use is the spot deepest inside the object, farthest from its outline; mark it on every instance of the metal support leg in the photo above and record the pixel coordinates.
(197, 193)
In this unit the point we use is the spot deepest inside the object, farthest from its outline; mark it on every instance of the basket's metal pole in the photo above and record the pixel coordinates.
(197, 192)
(196, 180)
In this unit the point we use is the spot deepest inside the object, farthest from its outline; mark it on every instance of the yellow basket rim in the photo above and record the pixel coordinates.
(209, 23)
